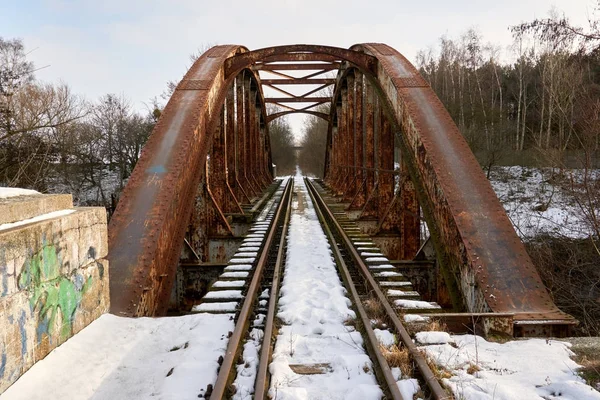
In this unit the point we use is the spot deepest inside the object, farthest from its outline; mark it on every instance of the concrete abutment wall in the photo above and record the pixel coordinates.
(53, 277)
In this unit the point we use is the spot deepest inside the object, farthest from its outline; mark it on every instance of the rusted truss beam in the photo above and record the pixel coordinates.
(363, 61)
(297, 99)
(299, 96)
(276, 115)
(298, 81)
(308, 107)
(301, 57)
(297, 67)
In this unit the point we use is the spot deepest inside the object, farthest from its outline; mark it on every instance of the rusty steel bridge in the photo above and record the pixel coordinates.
(394, 157)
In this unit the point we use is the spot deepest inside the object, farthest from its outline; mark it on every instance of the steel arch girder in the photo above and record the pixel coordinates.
(148, 226)
(471, 230)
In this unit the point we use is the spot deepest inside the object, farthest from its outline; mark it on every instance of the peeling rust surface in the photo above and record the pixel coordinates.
(147, 229)
(470, 227)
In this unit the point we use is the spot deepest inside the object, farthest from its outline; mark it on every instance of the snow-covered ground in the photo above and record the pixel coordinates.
(533, 369)
(313, 308)
(536, 203)
(131, 358)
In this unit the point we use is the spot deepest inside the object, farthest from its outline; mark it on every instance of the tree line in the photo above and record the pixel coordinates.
(52, 140)
(547, 98)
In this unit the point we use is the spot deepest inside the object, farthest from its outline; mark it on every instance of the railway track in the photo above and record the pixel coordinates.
(244, 369)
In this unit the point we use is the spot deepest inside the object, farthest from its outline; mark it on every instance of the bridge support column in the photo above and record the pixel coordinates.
(207, 222)
(359, 160)
(232, 150)
(251, 136)
(410, 224)
(349, 180)
(242, 133)
(359, 195)
(401, 220)
(260, 148)
(217, 182)
(369, 208)
(343, 143)
(385, 164)
(337, 152)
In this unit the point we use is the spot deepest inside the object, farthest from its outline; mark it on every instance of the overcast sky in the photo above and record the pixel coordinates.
(133, 47)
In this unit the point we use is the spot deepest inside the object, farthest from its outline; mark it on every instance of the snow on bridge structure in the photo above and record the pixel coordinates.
(393, 154)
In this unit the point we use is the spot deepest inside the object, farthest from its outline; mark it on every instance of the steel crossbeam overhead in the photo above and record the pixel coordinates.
(393, 155)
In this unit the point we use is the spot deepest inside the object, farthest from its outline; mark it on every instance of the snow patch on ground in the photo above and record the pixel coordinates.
(408, 388)
(415, 318)
(534, 369)
(536, 205)
(415, 304)
(129, 358)
(385, 337)
(433, 337)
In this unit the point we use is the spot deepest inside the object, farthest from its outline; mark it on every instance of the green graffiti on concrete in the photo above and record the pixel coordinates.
(50, 292)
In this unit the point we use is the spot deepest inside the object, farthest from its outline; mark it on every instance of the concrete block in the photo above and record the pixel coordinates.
(53, 283)
(18, 208)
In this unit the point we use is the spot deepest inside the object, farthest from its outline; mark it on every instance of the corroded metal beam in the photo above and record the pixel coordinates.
(244, 60)
(279, 114)
(473, 236)
(296, 67)
(297, 99)
(147, 229)
(299, 81)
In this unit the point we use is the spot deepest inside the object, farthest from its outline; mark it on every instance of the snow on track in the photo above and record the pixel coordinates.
(129, 358)
(314, 308)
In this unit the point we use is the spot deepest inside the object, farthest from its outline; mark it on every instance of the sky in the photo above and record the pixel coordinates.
(133, 47)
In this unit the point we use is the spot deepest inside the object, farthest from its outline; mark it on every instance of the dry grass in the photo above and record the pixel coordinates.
(374, 308)
(429, 326)
(590, 368)
(439, 372)
(398, 357)
(434, 325)
(472, 369)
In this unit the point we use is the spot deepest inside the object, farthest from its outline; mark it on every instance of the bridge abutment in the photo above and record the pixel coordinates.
(54, 278)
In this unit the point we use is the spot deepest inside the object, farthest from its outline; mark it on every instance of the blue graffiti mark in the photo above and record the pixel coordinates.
(42, 329)
(3, 364)
(4, 280)
(22, 321)
(78, 281)
(157, 169)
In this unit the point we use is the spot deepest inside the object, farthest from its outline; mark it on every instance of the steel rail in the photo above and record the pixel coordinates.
(225, 377)
(384, 368)
(427, 374)
(261, 383)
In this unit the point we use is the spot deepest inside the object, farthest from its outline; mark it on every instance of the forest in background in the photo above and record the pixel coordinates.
(53, 140)
(534, 103)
